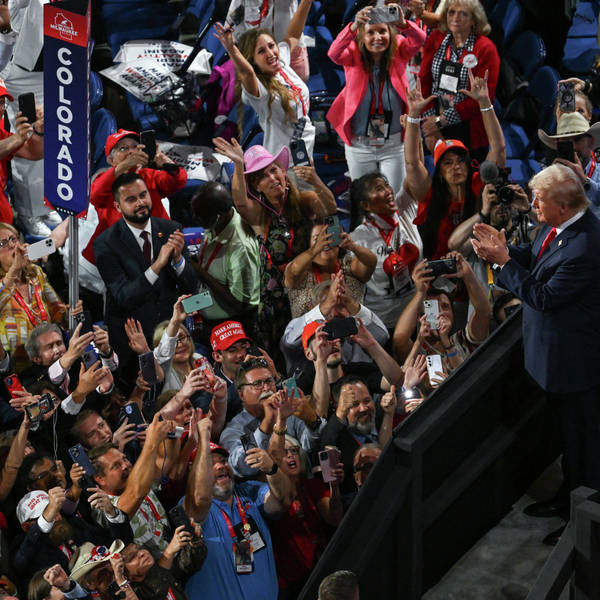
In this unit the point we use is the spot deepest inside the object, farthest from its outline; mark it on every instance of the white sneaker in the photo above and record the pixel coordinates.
(35, 226)
(52, 219)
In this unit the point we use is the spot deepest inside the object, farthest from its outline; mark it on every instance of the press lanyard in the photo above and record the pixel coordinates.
(593, 163)
(211, 257)
(448, 51)
(387, 237)
(154, 512)
(264, 9)
(317, 273)
(21, 302)
(245, 525)
(295, 89)
(379, 105)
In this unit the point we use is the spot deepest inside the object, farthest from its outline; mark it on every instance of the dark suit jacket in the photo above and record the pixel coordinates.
(121, 264)
(561, 305)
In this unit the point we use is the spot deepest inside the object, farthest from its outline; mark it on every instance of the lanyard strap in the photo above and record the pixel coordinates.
(264, 9)
(379, 105)
(448, 50)
(211, 257)
(592, 166)
(245, 525)
(317, 272)
(297, 92)
(21, 302)
(387, 237)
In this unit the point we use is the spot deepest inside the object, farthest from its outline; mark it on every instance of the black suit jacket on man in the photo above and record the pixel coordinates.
(561, 305)
(122, 266)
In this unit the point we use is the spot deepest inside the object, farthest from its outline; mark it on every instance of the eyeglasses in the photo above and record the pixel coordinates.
(259, 384)
(181, 339)
(10, 241)
(126, 148)
(292, 451)
(52, 469)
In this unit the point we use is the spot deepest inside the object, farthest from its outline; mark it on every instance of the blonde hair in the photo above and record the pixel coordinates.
(158, 333)
(29, 272)
(481, 25)
(561, 185)
(246, 45)
(388, 55)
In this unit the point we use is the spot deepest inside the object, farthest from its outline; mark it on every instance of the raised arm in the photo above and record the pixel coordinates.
(388, 406)
(323, 201)
(417, 180)
(480, 93)
(296, 26)
(199, 492)
(243, 68)
(15, 457)
(364, 261)
(249, 210)
(297, 269)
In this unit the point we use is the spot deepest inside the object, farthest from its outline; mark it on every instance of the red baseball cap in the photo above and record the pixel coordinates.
(4, 91)
(112, 139)
(442, 146)
(216, 448)
(308, 331)
(226, 334)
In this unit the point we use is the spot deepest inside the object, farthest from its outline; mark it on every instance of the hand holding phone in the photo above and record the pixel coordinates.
(434, 367)
(432, 312)
(27, 107)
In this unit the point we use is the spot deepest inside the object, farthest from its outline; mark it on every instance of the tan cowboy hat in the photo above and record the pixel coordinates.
(89, 557)
(570, 125)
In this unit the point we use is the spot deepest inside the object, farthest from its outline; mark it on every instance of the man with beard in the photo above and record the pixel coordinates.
(233, 521)
(130, 488)
(256, 385)
(511, 214)
(52, 538)
(355, 422)
(142, 261)
(326, 354)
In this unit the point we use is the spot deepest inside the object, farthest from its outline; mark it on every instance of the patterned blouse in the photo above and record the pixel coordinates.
(18, 321)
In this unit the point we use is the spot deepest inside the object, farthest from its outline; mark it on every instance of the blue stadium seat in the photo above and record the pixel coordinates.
(508, 15)
(102, 124)
(544, 86)
(581, 46)
(96, 90)
(528, 51)
(517, 141)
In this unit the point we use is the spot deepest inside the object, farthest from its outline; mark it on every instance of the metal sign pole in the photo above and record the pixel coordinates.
(73, 266)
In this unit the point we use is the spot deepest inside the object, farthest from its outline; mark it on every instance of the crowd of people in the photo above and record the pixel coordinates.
(203, 433)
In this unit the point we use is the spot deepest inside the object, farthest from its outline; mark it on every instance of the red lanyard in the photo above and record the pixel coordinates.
(379, 104)
(21, 302)
(448, 49)
(295, 89)
(211, 257)
(593, 163)
(387, 237)
(317, 272)
(155, 513)
(245, 525)
(264, 9)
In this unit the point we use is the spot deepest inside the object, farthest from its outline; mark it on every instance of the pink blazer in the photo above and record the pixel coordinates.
(344, 51)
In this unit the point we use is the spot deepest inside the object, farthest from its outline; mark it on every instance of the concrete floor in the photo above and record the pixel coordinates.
(505, 563)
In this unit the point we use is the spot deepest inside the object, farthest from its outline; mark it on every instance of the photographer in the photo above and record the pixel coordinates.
(505, 208)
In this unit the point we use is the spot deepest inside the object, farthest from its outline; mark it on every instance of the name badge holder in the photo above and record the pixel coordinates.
(378, 126)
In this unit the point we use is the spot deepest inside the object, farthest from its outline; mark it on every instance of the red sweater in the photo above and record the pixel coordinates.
(487, 60)
(159, 183)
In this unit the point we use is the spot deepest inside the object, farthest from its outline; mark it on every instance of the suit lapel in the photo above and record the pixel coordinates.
(130, 244)
(158, 238)
(560, 242)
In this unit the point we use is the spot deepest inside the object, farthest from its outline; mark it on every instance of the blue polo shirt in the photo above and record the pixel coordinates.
(217, 579)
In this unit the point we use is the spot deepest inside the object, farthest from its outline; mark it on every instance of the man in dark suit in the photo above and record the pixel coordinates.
(557, 278)
(142, 260)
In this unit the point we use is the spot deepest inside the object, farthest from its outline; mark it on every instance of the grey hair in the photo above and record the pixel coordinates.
(32, 346)
(561, 185)
(481, 25)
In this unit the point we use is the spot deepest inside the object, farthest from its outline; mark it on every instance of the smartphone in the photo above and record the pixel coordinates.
(40, 249)
(291, 387)
(38, 409)
(328, 459)
(565, 150)
(132, 413)
(148, 367)
(254, 350)
(27, 106)
(434, 366)
(299, 153)
(79, 456)
(89, 356)
(197, 302)
(432, 311)
(444, 266)
(204, 365)
(13, 384)
(148, 140)
(179, 517)
(333, 229)
(383, 14)
(237, 16)
(340, 327)
(84, 317)
(248, 441)
(566, 95)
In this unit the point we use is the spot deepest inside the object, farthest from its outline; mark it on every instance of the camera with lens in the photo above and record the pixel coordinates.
(499, 178)
(38, 409)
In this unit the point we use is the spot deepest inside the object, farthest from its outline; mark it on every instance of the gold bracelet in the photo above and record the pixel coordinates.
(278, 431)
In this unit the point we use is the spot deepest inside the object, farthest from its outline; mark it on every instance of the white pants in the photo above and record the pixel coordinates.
(387, 159)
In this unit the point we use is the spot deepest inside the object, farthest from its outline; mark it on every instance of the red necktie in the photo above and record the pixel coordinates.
(146, 247)
(551, 235)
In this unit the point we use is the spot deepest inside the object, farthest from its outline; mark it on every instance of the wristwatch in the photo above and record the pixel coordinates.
(438, 122)
(273, 470)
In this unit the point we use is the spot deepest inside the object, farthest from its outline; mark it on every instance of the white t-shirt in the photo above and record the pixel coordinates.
(385, 302)
(278, 129)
